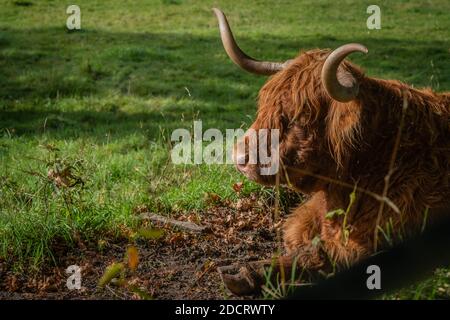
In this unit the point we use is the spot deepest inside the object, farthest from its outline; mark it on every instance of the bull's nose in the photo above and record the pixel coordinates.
(239, 161)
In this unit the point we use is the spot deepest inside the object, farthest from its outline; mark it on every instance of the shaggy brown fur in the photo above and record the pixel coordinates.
(327, 147)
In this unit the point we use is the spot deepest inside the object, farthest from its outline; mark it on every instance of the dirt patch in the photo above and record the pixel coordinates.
(179, 265)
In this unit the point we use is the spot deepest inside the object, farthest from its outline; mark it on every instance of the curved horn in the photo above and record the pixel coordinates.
(238, 56)
(342, 87)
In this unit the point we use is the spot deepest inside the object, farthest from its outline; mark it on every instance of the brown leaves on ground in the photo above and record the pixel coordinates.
(177, 264)
(241, 222)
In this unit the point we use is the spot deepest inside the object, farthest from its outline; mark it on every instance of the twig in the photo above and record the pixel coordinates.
(387, 178)
(122, 297)
(374, 195)
(186, 225)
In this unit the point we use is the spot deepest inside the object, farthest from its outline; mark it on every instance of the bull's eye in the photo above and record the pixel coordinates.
(285, 123)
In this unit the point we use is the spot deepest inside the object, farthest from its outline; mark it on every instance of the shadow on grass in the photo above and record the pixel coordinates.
(48, 64)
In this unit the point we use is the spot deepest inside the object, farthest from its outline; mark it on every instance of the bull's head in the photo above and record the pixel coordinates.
(305, 99)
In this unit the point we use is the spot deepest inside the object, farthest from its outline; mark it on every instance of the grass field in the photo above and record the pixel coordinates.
(105, 100)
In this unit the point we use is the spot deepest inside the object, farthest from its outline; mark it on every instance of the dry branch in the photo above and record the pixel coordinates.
(387, 178)
(185, 225)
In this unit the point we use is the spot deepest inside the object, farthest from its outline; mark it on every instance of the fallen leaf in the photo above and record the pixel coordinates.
(132, 257)
(237, 187)
(176, 238)
(111, 272)
(150, 233)
(212, 198)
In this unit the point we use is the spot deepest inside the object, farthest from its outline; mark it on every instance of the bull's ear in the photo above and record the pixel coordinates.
(340, 85)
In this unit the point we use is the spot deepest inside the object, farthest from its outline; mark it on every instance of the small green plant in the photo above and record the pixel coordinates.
(118, 273)
(277, 287)
(340, 212)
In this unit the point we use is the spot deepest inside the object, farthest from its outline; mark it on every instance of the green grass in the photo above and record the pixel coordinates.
(108, 97)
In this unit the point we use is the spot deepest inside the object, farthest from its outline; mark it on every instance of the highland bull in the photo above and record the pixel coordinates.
(341, 131)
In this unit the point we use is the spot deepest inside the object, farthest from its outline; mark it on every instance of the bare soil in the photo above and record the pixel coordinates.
(179, 265)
